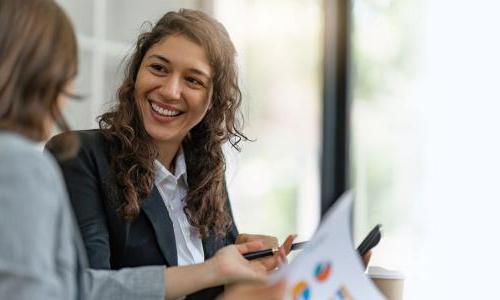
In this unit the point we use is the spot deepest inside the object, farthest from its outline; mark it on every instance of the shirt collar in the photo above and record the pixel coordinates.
(161, 172)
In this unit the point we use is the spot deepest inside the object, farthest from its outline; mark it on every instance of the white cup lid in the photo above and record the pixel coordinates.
(382, 273)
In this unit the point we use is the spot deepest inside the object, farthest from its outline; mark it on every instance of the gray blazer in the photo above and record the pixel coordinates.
(41, 252)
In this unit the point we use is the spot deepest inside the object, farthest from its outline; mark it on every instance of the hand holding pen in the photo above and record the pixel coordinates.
(275, 255)
(272, 251)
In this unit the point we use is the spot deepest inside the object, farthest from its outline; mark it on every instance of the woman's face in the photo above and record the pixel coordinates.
(173, 88)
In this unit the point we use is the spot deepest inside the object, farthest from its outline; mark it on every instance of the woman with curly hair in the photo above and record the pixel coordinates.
(148, 186)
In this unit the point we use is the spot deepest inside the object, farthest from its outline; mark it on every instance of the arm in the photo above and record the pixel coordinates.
(80, 175)
(225, 267)
(153, 282)
(124, 284)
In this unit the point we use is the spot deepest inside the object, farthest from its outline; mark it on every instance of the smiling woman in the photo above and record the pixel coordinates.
(148, 187)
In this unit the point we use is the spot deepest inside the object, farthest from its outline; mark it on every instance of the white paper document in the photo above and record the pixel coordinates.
(329, 267)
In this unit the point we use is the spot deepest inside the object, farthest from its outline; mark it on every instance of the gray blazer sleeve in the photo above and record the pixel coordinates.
(41, 256)
(133, 283)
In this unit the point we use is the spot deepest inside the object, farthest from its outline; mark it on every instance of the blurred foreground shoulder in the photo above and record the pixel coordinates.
(89, 141)
(24, 165)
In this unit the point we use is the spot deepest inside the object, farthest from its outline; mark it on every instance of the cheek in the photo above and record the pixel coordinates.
(137, 87)
(141, 83)
(200, 101)
(208, 103)
(204, 108)
(138, 103)
(139, 95)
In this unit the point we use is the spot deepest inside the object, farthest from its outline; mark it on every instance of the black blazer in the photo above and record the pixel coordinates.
(112, 242)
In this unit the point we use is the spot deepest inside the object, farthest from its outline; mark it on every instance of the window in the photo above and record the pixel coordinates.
(274, 181)
(385, 148)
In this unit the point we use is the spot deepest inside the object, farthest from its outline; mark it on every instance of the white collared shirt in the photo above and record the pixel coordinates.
(173, 190)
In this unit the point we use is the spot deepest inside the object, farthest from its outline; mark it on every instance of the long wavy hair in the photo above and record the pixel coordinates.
(135, 151)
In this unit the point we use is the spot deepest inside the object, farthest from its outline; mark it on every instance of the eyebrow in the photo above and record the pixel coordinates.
(165, 60)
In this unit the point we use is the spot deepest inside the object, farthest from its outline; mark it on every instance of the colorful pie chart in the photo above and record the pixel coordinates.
(301, 291)
(322, 271)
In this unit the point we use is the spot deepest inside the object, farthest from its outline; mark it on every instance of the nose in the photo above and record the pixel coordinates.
(171, 88)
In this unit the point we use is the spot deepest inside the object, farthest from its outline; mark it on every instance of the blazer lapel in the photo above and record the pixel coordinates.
(157, 213)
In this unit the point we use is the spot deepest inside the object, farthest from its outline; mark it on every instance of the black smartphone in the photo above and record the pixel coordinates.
(371, 240)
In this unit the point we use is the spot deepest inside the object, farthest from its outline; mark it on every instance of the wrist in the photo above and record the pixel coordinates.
(213, 272)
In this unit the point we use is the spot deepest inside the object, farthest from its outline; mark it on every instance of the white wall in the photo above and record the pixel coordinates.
(459, 203)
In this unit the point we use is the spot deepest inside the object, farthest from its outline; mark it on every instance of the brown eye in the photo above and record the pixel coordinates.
(194, 82)
(157, 68)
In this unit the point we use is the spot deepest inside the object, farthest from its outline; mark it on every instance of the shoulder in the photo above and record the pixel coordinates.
(94, 147)
(89, 139)
(19, 153)
(26, 171)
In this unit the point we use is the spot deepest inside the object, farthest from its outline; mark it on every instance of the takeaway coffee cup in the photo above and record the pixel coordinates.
(389, 282)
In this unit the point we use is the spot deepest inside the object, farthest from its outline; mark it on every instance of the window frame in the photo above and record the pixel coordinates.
(336, 102)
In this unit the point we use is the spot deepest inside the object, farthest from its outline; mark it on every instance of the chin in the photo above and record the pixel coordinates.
(159, 135)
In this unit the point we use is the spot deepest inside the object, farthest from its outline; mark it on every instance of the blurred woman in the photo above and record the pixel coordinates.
(41, 252)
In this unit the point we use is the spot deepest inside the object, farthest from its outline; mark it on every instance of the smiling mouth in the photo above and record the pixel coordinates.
(164, 111)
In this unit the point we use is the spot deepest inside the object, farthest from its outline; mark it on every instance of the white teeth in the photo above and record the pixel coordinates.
(165, 112)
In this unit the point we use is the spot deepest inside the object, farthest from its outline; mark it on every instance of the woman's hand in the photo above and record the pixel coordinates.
(227, 266)
(230, 265)
(269, 263)
(267, 240)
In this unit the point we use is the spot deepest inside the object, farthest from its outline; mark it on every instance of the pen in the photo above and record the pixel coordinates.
(269, 252)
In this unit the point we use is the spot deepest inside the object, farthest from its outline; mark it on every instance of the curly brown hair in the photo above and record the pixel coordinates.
(134, 155)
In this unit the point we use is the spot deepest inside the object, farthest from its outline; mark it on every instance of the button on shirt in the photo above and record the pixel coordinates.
(173, 190)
